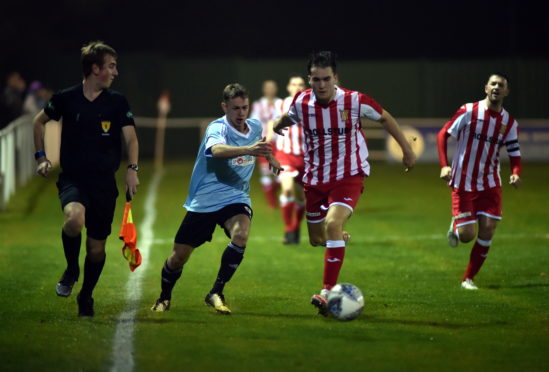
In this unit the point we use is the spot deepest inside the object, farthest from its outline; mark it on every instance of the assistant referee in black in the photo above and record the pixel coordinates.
(94, 120)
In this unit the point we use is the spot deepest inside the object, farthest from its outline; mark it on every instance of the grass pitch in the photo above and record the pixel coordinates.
(416, 315)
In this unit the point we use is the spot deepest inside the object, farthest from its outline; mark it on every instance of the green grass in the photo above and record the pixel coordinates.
(416, 316)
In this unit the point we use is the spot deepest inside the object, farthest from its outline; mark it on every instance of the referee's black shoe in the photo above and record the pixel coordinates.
(64, 287)
(85, 306)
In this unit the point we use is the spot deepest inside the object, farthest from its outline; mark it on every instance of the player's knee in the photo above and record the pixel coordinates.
(240, 238)
(74, 224)
(288, 193)
(316, 241)
(466, 236)
(177, 260)
(96, 252)
(334, 227)
(180, 255)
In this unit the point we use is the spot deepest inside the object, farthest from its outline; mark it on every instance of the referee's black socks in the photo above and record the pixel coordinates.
(232, 257)
(169, 278)
(92, 271)
(71, 246)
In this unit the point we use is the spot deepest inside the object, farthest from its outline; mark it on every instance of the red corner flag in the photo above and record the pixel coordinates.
(128, 234)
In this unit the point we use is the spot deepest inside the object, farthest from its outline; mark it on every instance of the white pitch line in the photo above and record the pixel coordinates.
(122, 350)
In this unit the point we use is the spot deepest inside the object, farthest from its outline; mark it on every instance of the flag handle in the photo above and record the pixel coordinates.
(128, 196)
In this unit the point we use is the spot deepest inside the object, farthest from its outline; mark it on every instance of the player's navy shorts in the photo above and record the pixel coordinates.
(97, 194)
(319, 198)
(467, 205)
(197, 228)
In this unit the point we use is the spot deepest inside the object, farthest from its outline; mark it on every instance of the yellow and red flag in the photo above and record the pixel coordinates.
(128, 234)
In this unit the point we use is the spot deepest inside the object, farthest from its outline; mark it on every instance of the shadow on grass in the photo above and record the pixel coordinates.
(167, 321)
(447, 325)
(518, 286)
(278, 315)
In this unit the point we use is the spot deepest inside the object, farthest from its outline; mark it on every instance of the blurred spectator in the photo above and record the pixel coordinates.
(12, 98)
(265, 110)
(37, 97)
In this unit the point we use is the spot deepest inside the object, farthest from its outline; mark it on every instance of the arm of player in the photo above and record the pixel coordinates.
(260, 148)
(391, 126)
(132, 145)
(442, 144)
(282, 122)
(39, 121)
(514, 179)
(270, 131)
(274, 164)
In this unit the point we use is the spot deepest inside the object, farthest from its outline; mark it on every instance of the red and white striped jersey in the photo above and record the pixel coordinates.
(292, 140)
(335, 146)
(265, 111)
(480, 134)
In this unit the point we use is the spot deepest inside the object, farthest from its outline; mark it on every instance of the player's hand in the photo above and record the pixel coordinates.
(274, 165)
(132, 181)
(409, 160)
(515, 181)
(446, 173)
(280, 131)
(277, 128)
(43, 168)
(261, 148)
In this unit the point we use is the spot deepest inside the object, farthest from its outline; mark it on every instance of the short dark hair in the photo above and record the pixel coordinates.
(94, 53)
(234, 90)
(295, 76)
(501, 75)
(322, 59)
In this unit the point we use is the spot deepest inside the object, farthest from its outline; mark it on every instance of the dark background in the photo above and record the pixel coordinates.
(418, 59)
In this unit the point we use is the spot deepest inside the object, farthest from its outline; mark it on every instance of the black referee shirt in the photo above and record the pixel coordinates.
(91, 131)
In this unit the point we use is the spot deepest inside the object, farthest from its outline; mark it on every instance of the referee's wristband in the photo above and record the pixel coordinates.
(39, 154)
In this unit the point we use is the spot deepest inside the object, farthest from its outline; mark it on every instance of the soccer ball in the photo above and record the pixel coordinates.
(345, 301)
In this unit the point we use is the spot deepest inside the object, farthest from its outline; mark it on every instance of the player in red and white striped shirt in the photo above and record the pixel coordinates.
(265, 110)
(289, 151)
(481, 129)
(335, 158)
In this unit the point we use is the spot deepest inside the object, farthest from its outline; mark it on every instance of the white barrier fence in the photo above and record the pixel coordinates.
(16, 157)
(17, 163)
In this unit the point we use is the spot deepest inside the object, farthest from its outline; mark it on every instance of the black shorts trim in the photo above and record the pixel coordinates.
(198, 228)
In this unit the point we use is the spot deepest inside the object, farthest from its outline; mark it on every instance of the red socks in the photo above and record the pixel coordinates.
(269, 189)
(478, 255)
(287, 206)
(292, 213)
(333, 259)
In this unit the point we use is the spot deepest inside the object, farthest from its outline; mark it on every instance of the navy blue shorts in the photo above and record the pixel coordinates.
(198, 228)
(97, 194)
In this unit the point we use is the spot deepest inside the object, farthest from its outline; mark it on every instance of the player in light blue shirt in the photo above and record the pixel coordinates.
(219, 195)
(226, 178)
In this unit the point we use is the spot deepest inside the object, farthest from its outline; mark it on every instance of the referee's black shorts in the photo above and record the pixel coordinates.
(97, 194)
(197, 228)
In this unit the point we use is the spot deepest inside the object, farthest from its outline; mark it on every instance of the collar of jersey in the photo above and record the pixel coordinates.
(332, 102)
(245, 135)
(491, 112)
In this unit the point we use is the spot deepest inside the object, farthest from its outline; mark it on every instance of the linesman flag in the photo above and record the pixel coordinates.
(128, 234)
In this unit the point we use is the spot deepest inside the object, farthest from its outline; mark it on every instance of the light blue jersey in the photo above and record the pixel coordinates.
(218, 182)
